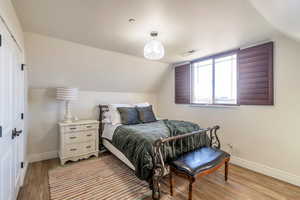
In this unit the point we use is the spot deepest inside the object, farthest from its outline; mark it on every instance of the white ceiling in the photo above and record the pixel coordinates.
(282, 14)
(209, 26)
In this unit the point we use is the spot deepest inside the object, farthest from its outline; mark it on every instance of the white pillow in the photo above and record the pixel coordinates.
(106, 117)
(115, 116)
(146, 104)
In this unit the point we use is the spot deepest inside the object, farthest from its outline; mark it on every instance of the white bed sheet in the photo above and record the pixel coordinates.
(117, 153)
(109, 130)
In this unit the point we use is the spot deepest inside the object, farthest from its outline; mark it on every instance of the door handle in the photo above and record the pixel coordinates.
(16, 133)
(19, 132)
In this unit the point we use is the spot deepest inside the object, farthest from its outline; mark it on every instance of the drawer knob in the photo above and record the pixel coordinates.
(73, 138)
(89, 135)
(73, 128)
(73, 149)
(88, 147)
(89, 126)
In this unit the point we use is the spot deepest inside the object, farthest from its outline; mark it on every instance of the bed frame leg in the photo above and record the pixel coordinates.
(150, 182)
(171, 182)
(155, 188)
(226, 170)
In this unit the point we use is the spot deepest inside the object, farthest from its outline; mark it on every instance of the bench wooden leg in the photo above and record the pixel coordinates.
(192, 180)
(171, 182)
(226, 170)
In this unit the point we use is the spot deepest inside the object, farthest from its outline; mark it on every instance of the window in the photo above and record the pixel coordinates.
(202, 85)
(243, 77)
(214, 80)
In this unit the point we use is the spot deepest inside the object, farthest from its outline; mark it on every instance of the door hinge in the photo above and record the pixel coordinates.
(22, 67)
(0, 131)
(0, 40)
(22, 165)
(22, 115)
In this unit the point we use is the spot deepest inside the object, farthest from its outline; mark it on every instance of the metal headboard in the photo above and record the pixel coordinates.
(102, 110)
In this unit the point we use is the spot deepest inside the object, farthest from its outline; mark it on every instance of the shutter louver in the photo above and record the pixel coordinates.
(255, 75)
(182, 84)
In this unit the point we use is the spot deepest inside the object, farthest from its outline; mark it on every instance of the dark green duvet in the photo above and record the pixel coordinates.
(135, 142)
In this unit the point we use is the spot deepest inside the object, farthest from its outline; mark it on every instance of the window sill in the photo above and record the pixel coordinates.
(215, 105)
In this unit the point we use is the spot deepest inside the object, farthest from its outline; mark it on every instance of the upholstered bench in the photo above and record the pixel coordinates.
(198, 163)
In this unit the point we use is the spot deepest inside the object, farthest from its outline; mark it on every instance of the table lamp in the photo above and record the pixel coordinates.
(67, 95)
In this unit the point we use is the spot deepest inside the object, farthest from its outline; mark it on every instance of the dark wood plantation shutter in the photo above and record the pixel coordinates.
(255, 80)
(182, 84)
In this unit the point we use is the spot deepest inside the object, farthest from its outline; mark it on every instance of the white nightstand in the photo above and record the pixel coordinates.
(78, 140)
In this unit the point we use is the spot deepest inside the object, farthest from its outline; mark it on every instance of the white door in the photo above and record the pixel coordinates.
(11, 107)
(18, 109)
(6, 122)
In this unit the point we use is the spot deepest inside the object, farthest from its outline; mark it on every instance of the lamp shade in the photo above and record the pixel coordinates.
(66, 94)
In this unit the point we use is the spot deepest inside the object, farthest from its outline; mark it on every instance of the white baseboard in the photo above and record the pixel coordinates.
(42, 156)
(266, 170)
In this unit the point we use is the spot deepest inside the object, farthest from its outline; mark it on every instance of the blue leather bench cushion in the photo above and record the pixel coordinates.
(199, 160)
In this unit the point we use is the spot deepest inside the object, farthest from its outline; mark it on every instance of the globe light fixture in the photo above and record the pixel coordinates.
(154, 49)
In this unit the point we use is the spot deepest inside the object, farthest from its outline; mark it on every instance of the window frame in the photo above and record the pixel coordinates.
(213, 58)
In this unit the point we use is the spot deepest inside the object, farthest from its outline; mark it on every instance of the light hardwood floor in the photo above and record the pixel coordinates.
(243, 184)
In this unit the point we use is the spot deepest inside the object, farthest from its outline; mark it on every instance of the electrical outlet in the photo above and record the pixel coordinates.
(227, 147)
(230, 148)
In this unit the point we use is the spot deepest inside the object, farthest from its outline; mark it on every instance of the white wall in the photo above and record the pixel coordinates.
(45, 112)
(102, 77)
(264, 138)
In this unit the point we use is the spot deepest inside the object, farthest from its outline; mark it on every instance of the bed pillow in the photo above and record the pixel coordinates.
(107, 117)
(146, 114)
(129, 115)
(146, 104)
(115, 117)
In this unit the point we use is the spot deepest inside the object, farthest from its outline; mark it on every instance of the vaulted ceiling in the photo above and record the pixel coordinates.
(282, 14)
(208, 26)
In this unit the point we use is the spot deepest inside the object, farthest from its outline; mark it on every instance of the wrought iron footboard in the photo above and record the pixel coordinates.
(159, 164)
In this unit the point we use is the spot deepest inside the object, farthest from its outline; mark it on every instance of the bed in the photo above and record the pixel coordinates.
(147, 147)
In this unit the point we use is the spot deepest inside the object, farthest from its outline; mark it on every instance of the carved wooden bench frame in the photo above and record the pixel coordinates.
(160, 168)
(192, 179)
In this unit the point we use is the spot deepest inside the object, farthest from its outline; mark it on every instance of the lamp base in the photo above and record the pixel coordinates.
(68, 116)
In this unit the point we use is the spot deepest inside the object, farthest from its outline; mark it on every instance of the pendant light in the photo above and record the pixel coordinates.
(154, 49)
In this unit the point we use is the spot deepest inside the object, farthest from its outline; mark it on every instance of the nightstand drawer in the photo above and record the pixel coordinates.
(73, 128)
(89, 135)
(76, 137)
(79, 148)
(88, 147)
(89, 126)
(73, 149)
(71, 138)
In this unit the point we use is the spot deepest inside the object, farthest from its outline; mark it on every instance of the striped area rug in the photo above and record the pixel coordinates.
(105, 178)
